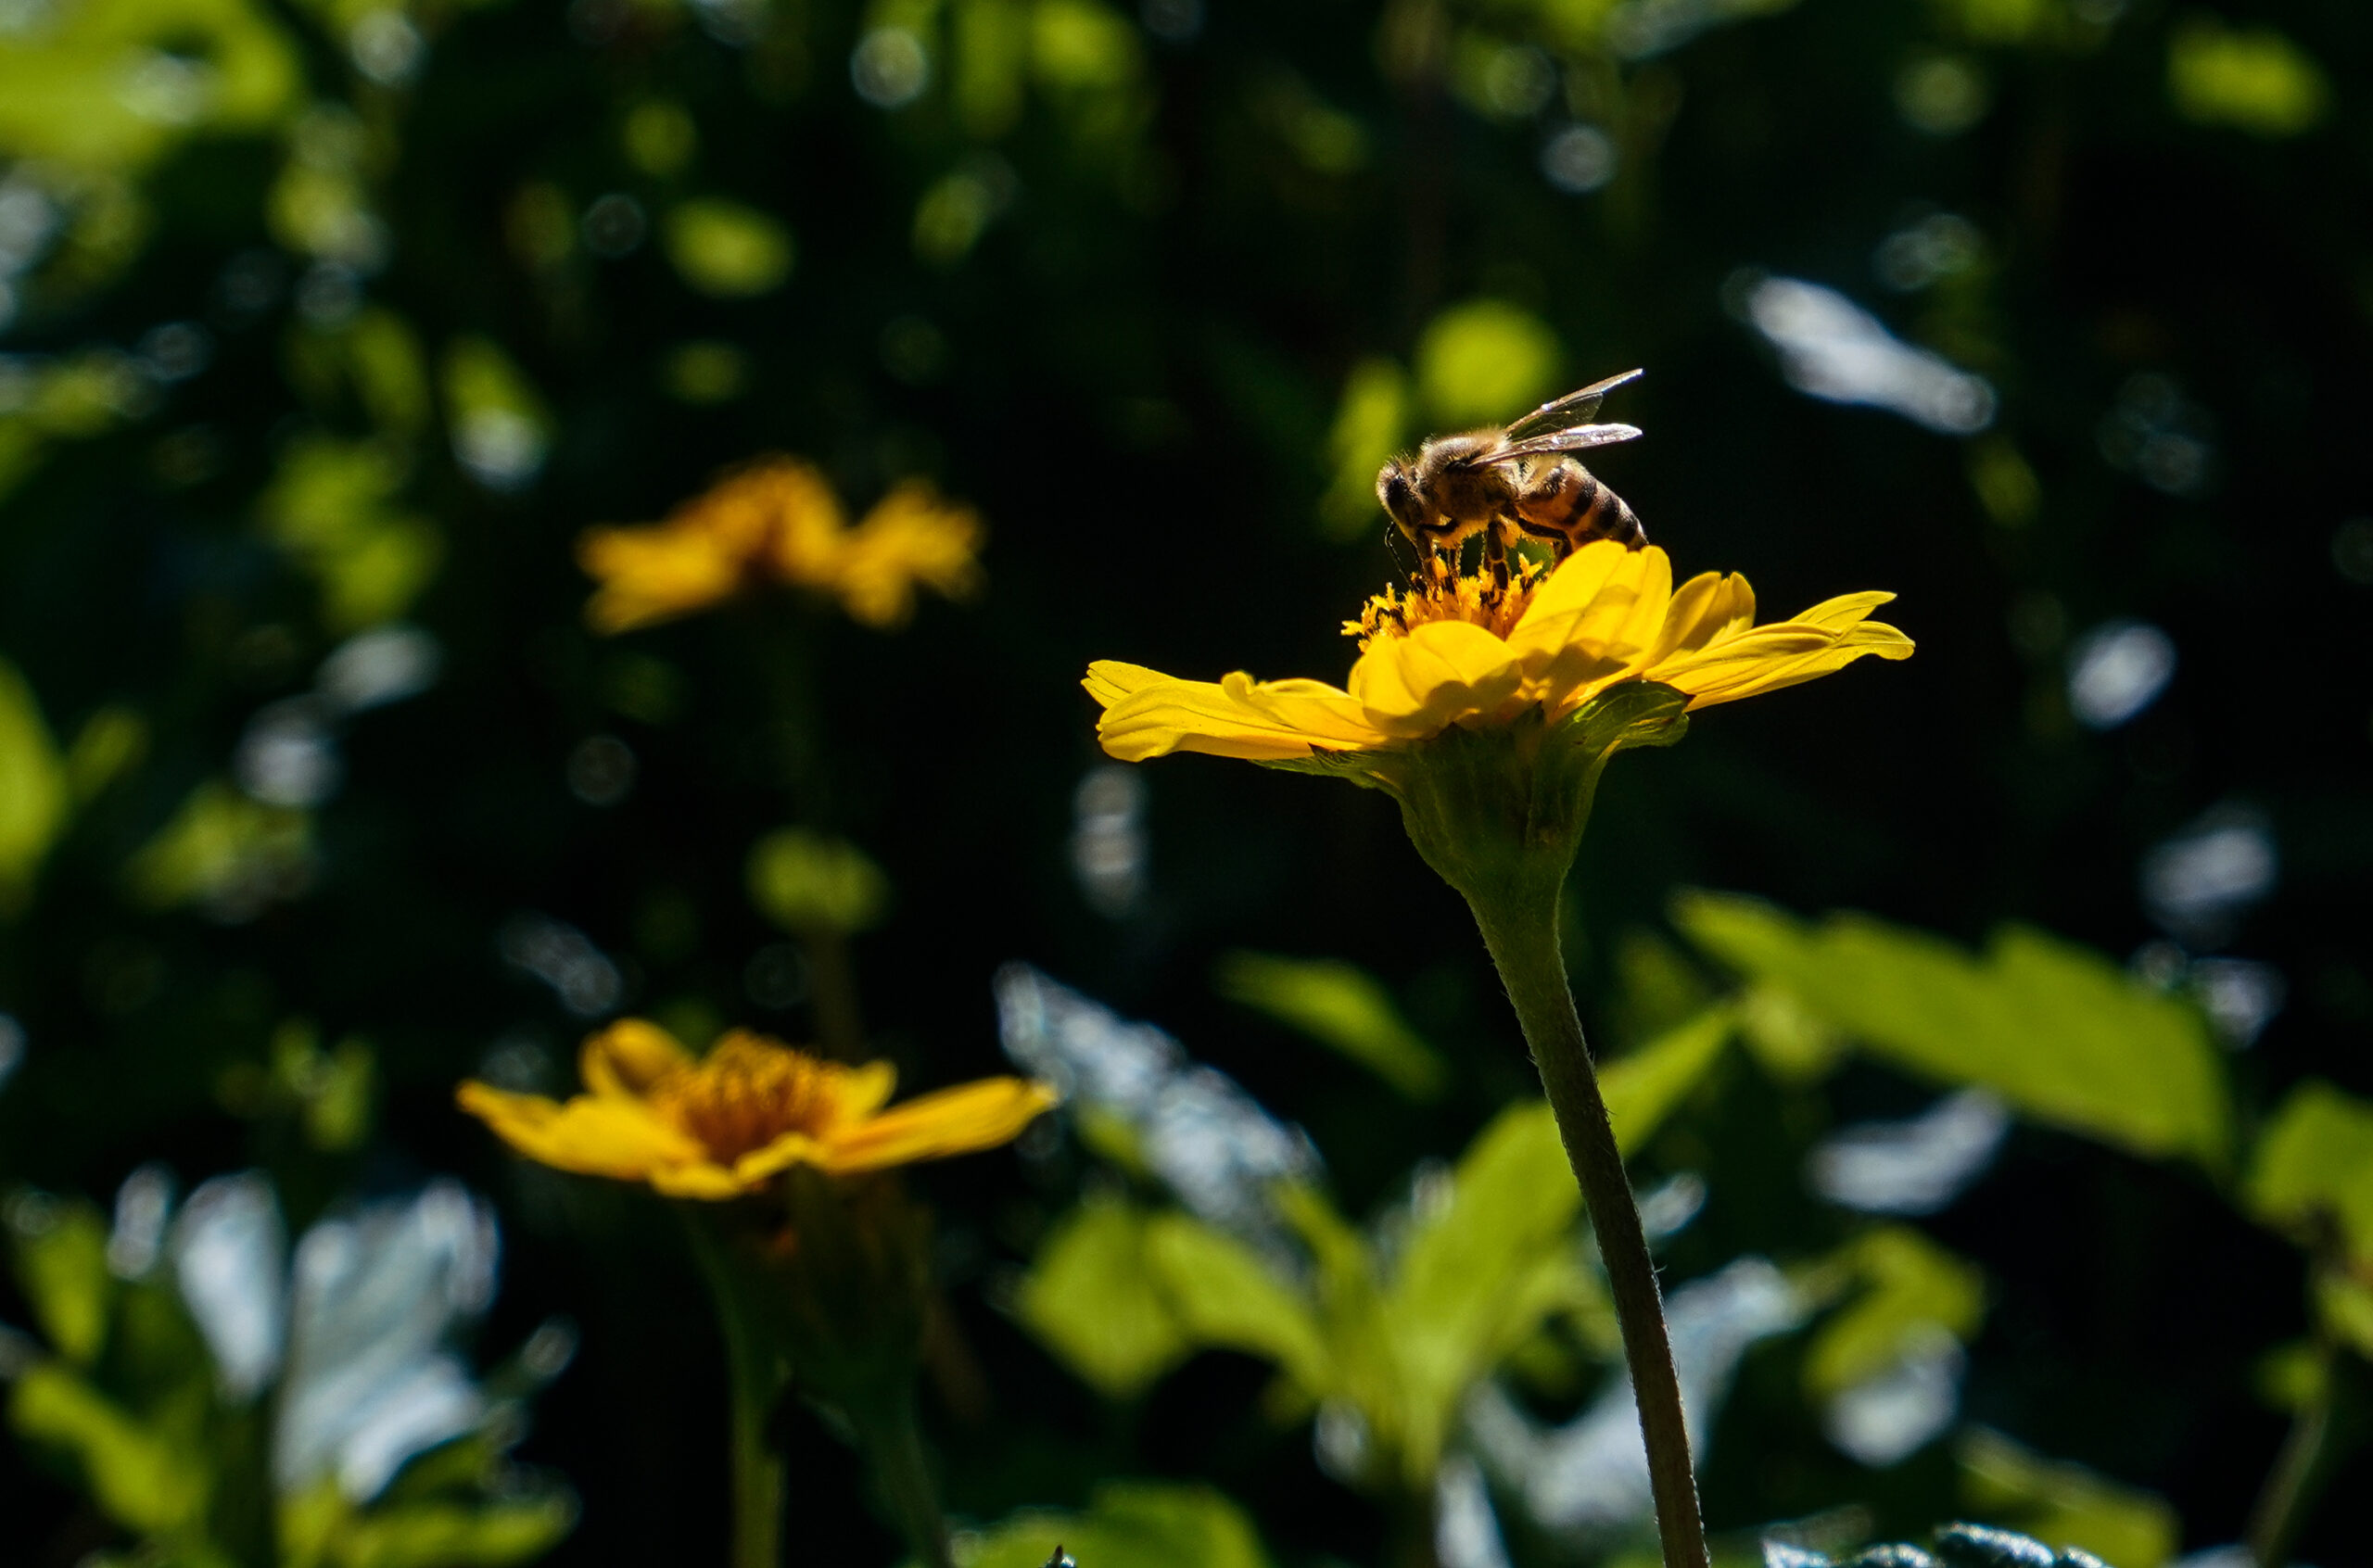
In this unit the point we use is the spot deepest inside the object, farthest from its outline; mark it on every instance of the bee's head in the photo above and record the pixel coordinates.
(1399, 493)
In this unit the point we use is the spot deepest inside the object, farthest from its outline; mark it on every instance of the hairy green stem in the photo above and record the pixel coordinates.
(1521, 932)
(886, 1429)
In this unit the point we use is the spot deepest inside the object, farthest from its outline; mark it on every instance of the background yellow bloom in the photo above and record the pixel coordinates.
(722, 1125)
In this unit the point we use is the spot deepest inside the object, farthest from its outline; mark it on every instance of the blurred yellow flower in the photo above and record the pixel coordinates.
(1469, 651)
(722, 1125)
(777, 521)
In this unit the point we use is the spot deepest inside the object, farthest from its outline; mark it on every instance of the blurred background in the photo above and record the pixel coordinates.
(326, 326)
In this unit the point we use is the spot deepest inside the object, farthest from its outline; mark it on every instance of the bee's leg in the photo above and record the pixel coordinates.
(1495, 554)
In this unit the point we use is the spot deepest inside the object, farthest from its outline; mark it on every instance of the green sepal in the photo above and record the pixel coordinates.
(1500, 809)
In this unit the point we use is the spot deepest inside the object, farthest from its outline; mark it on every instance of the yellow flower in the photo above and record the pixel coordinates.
(777, 521)
(722, 1125)
(1470, 652)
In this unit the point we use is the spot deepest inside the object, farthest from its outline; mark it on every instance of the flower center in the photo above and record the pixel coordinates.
(744, 1094)
(1439, 592)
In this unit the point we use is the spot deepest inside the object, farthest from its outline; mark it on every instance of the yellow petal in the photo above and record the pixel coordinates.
(1846, 610)
(592, 1135)
(791, 1148)
(1705, 610)
(651, 575)
(1602, 601)
(700, 1179)
(858, 1091)
(914, 536)
(1754, 663)
(1236, 717)
(1109, 680)
(630, 1056)
(952, 1121)
(1444, 671)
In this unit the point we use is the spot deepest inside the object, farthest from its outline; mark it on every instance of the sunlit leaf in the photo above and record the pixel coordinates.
(1078, 45)
(62, 1265)
(1129, 1524)
(1479, 1274)
(501, 429)
(1370, 424)
(2315, 1161)
(115, 83)
(805, 881)
(1223, 1294)
(1902, 1286)
(1341, 1004)
(455, 1535)
(1092, 1297)
(727, 249)
(109, 744)
(32, 787)
(331, 505)
(144, 1482)
(2065, 1504)
(1484, 361)
(1645, 1087)
(224, 851)
(2058, 1030)
(2250, 79)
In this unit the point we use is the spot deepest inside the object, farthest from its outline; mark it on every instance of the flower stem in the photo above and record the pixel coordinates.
(1520, 927)
(755, 1382)
(886, 1428)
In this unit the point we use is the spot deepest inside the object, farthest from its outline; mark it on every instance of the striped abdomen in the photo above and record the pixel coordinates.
(1567, 502)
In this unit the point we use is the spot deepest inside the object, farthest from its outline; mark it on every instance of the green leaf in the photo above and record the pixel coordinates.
(1909, 1287)
(727, 249)
(142, 1482)
(455, 1535)
(61, 1258)
(1221, 1294)
(1129, 1524)
(1091, 1298)
(2250, 79)
(2065, 1504)
(1371, 422)
(1338, 1005)
(1480, 1273)
(32, 789)
(1645, 1087)
(807, 881)
(2057, 1030)
(2314, 1164)
(1485, 360)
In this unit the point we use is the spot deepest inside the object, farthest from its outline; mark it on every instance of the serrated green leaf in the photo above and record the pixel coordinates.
(2315, 1160)
(2064, 1504)
(1091, 1298)
(1338, 1005)
(62, 1265)
(1907, 1286)
(140, 1480)
(2057, 1030)
(1129, 1524)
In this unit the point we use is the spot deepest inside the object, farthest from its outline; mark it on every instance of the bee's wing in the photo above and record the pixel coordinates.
(1573, 407)
(1581, 438)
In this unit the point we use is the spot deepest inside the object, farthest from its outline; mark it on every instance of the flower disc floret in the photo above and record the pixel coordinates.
(1473, 651)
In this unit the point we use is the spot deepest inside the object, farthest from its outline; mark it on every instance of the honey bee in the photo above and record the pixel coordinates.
(1513, 482)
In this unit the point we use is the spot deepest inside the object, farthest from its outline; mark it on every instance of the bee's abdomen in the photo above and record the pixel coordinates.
(1569, 504)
